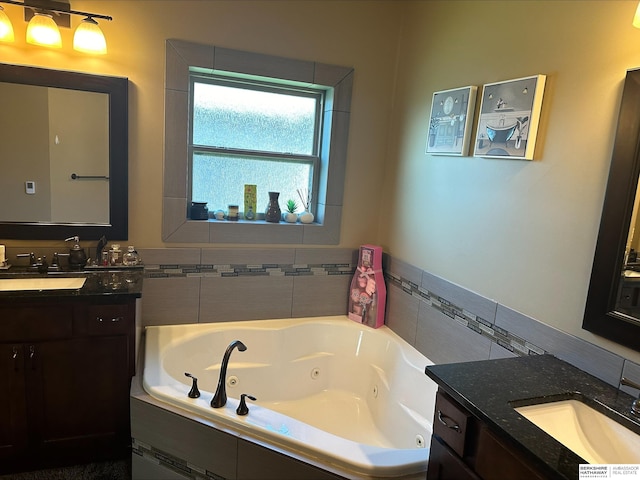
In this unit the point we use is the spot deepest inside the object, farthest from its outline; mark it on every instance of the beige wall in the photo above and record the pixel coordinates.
(24, 153)
(352, 34)
(79, 143)
(522, 233)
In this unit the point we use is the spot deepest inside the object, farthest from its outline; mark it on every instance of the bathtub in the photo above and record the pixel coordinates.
(328, 389)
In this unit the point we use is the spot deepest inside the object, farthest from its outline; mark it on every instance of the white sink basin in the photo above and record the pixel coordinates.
(589, 433)
(47, 283)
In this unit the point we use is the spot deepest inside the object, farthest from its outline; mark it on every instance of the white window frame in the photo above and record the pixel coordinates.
(183, 56)
(238, 81)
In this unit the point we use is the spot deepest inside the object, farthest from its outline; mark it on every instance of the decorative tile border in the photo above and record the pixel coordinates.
(248, 270)
(171, 462)
(481, 326)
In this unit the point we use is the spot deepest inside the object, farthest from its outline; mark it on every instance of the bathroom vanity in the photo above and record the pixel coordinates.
(66, 363)
(478, 434)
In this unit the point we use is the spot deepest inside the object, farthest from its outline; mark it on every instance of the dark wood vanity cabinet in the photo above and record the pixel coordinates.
(463, 448)
(66, 369)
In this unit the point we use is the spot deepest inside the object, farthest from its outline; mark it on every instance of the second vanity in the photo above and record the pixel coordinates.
(66, 363)
(479, 434)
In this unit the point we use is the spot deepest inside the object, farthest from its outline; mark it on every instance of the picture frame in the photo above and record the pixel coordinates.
(450, 121)
(509, 118)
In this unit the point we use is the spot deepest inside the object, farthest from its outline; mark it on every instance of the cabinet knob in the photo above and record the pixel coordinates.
(16, 364)
(113, 320)
(442, 418)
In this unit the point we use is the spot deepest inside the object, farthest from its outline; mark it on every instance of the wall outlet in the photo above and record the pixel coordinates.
(30, 187)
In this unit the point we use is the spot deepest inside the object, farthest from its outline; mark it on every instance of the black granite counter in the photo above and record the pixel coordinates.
(491, 389)
(102, 282)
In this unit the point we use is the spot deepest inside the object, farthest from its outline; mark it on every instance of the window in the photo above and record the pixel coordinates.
(256, 133)
(314, 157)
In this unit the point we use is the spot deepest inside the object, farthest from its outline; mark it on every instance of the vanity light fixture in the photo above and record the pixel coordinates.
(6, 28)
(45, 16)
(42, 30)
(89, 38)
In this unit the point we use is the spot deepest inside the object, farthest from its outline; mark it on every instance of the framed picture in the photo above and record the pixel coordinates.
(450, 121)
(509, 117)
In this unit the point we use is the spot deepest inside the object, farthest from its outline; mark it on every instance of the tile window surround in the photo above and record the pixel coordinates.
(444, 321)
(180, 57)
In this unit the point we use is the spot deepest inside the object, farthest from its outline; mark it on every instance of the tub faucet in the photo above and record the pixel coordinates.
(220, 397)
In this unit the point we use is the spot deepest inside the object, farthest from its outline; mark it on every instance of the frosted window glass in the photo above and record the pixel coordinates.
(219, 180)
(240, 118)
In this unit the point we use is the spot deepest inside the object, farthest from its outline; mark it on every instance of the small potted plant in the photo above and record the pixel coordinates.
(290, 215)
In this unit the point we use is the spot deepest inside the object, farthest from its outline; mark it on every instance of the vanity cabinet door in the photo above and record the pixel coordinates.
(13, 416)
(444, 464)
(78, 398)
(462, 447)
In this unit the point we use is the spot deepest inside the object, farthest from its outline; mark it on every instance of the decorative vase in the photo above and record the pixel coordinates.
(306, 217)
(199, 211)
(273, 212)
(290, 217)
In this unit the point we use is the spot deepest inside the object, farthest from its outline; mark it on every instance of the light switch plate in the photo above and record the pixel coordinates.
(30, 187)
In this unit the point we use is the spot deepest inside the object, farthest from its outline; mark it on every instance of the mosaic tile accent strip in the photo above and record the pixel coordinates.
(244, 270)
(481, 326)
(173, 463)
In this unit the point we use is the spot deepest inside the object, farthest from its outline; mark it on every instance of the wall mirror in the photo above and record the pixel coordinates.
(613, 302)
(64, 154)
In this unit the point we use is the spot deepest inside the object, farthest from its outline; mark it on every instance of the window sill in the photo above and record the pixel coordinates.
(324, 232)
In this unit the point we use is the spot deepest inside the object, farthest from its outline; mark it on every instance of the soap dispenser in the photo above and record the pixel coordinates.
(77, 255)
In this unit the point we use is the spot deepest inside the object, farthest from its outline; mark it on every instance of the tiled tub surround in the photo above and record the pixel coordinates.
(445, 322)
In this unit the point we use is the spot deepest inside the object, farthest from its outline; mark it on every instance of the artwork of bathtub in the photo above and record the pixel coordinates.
(327, 389)
(500, 134)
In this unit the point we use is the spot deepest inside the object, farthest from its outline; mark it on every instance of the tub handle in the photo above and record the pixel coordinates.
(453, 426)
(194, 392)
(242, 408)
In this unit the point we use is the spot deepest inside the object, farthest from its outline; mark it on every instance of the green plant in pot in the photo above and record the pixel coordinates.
(290, 215)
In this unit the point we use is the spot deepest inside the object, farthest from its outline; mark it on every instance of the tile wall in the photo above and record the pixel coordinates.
(444, 321)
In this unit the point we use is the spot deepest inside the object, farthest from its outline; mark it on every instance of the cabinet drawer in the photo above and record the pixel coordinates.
(106, 320)
(450, 423)
(32, 323)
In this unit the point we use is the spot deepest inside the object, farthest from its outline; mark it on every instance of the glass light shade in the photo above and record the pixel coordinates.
(89, 38)
(42, 30)
(6, 29)
(636, 17)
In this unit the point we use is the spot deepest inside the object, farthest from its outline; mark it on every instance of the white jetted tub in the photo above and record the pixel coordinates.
(327, 388)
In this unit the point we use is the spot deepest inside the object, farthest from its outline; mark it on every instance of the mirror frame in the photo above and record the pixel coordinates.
(117, 89)
(600, 315)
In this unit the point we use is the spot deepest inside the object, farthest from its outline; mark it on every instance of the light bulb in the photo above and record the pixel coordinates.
(88, 38)
(42, 30)
(6, 29)
(636, 17)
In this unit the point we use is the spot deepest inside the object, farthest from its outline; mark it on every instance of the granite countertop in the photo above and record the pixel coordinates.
(102, 282)
(491, 389)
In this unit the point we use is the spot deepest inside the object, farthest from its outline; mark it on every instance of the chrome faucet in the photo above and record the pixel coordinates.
(220, 397)
(635, 406)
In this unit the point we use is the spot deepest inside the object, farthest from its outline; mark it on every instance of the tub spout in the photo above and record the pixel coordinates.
(220, 397)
